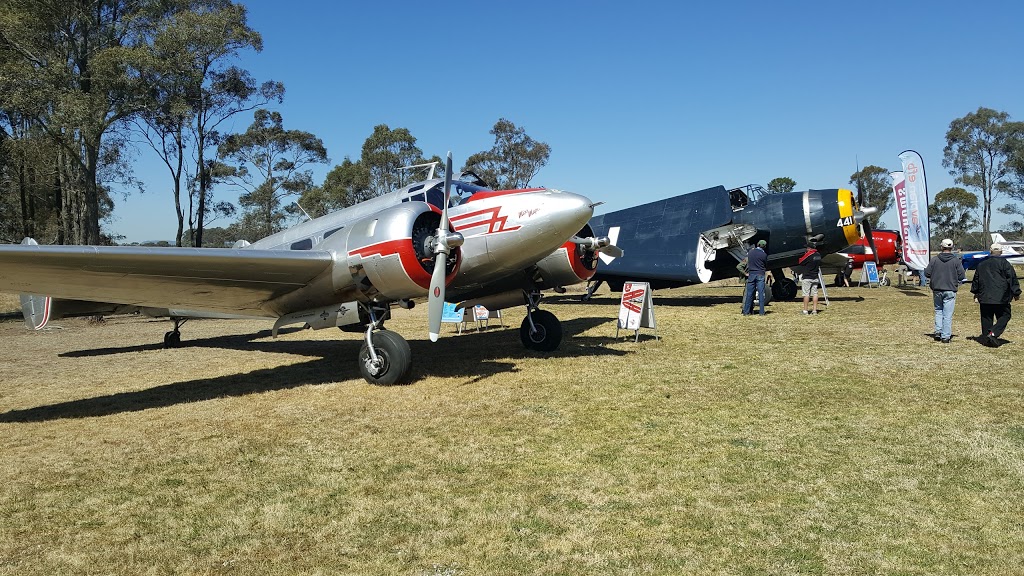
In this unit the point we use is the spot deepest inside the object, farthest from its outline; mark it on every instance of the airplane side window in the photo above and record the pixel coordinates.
(329, 232)
(416, 197)
(306, 244)
(436, 198)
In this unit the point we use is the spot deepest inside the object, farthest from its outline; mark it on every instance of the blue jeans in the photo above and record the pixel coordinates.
(945, 302)
(754, 282)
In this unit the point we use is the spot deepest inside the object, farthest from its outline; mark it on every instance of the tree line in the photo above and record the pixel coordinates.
(984, 153)
(86, 85)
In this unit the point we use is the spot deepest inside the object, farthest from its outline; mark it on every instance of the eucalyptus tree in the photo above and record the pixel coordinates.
(384, 152)
(953, 213)
(267, 163)
(514, 159)
(874, 185)
(979, 153)
(73, 67)
(781, 185)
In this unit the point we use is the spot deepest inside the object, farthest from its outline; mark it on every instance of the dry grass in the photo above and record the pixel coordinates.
(846, 443)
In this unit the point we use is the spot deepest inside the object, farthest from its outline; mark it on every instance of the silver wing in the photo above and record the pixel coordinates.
(210, 279)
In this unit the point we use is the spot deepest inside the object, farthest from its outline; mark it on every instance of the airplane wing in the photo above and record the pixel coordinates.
(216, 279)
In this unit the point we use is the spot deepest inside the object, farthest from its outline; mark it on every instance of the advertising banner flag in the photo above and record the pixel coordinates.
(912, 204)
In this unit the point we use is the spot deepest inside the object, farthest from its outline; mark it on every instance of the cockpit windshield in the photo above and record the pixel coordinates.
(435, 194)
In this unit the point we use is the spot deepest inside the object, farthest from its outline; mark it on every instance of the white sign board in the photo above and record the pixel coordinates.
(636, 309)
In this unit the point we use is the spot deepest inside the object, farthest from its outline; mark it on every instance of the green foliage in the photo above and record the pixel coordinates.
(781, 185)
(953, 213)
(979, 150)
(514, 159)
(268, 163)
(384, 152)
(873, 184)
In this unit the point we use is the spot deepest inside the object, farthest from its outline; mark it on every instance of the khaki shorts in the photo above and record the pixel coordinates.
(809, 286)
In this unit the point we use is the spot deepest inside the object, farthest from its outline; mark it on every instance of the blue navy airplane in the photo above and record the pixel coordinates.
(701, 236)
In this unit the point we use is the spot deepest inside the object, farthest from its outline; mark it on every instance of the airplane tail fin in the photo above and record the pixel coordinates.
(36, 310)
(1008, 248)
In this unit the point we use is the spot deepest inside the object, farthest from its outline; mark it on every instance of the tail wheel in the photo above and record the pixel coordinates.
(393, 355)
(548, 333)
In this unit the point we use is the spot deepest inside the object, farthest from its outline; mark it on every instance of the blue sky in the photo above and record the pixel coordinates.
(638, 100)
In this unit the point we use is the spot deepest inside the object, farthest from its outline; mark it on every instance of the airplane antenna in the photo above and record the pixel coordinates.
(308, 217)
(430, 175)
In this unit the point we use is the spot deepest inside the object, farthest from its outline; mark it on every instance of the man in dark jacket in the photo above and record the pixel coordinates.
(945, 272)
(757, 264)
(994, 285)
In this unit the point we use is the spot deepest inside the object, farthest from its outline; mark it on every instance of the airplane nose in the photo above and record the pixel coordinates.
(570, 210)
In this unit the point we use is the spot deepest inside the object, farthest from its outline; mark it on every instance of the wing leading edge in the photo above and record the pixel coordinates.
(214, 279)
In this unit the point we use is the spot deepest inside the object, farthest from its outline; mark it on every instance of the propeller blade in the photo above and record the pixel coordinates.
(871, 238)
(602, 244)
(613, 251)
(435, 299)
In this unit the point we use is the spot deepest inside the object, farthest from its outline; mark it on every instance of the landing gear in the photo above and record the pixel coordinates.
(172, 338)
(783, 288)
(385, 357)
(540, 330)
(388, 361)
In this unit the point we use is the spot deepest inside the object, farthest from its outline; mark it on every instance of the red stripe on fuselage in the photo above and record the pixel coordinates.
(494, 222)
(407, 256)
(482, 195)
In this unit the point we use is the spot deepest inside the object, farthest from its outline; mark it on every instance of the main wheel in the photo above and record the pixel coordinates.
(784, 289)
(393, 355)
(548, 335)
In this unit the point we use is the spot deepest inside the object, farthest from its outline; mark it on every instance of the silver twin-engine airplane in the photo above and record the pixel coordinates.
(344, 269)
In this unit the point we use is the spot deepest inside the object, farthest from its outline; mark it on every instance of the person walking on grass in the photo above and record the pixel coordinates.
(945, 272)
(994, 286)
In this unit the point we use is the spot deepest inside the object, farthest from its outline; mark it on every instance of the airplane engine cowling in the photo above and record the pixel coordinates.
(389, 256)
(569, 264)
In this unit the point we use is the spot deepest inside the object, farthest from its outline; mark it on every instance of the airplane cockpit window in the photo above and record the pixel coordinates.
(435, 196)
(306, 244)
(738, 198)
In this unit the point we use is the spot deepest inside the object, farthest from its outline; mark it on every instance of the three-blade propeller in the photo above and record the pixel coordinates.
(866, 211)
(444, 242)
(602, 244)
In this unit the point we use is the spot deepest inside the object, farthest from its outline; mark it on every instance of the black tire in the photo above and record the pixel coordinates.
(784, 289)
(884, 281)
(172, 339)
(548, 335)
(395, 356)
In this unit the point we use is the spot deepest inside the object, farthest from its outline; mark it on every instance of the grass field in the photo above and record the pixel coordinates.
(846, 443)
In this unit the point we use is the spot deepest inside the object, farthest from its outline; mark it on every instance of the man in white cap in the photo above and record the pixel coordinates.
(945, 273)
(994, 285)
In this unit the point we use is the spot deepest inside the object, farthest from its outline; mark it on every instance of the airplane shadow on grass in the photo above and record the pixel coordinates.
(706, 301)
(475, 356)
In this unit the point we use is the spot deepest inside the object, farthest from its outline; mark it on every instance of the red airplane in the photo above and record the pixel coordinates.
(887, 249)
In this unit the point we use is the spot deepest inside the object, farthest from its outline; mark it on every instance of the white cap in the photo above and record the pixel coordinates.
(997, 247)
(947, 243)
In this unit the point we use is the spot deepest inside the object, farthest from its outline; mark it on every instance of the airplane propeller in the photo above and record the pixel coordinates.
(444, 242)
(602, 244)
(865, 212)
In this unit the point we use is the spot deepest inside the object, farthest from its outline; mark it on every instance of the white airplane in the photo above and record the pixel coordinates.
(344, 269)
(1013, 252)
